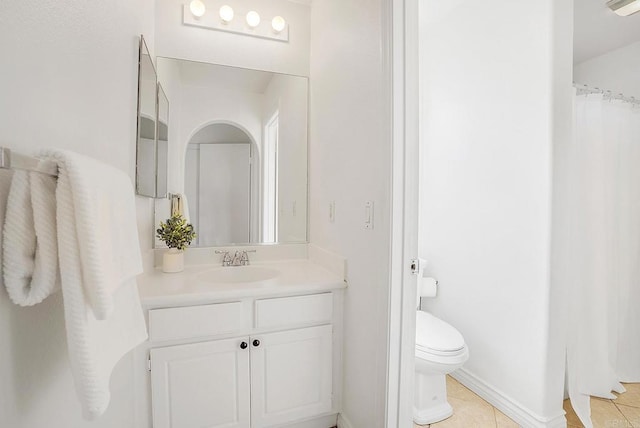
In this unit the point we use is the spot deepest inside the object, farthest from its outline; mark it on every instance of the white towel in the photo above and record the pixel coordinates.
(179, 205)
(30, 245)
(96, 230)
(103, 208)
(185, 208)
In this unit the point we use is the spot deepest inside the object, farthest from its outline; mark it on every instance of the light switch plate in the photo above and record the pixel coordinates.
(332, 212)
(368, 215)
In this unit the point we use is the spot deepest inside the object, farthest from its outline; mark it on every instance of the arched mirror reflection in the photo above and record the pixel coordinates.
(218, 184)
(238, 142)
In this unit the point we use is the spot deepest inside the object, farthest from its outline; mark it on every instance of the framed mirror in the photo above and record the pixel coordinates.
(151, 156)
(241, 157)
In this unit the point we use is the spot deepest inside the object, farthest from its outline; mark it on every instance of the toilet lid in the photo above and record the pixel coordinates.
(433, 333)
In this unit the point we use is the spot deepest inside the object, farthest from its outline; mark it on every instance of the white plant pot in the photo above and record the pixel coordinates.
(173, 261)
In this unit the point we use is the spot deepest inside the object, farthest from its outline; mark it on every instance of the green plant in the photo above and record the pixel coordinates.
(176, 232)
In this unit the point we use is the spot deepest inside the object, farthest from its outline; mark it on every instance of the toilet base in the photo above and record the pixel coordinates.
(430, 399)
(432, 414)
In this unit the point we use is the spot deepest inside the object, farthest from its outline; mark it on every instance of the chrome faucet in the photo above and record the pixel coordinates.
(226, 257)
(244, 257)
(237, 258)
(240, 258)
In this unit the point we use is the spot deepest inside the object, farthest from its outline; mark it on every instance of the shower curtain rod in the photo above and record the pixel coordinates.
(608, 95)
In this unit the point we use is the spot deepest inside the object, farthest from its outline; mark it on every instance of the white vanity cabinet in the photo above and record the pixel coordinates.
(290, 375)
(201, 385)
(253, 362)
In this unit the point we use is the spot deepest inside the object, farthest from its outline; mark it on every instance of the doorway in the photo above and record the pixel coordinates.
(218, 184)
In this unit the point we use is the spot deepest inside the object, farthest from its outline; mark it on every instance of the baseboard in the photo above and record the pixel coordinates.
(520, 414)
(326, 421)
(343, 421)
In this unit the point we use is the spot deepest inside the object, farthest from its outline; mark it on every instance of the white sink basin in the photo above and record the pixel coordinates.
(238, 274)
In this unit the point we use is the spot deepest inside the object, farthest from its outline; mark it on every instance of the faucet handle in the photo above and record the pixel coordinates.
(244, 258)
(226, 258)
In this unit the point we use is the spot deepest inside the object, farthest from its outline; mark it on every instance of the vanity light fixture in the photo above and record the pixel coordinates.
(253, 19)
(226, 13)
(278, 23)
(231, 18)
(197, 8)
(624, 7)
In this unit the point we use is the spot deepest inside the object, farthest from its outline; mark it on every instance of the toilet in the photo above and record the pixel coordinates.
(440, 349)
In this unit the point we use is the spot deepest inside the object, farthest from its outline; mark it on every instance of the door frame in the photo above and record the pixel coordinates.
(403, 58)
(267, 155)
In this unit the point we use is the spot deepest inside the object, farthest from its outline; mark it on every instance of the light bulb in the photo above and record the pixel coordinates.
(197, 8)
(226, 13)
(629, 9)
(278, 23)
(624, 7)
(253, 19)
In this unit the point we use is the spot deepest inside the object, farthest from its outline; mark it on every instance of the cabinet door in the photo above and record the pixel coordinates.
(201, 385)
(291, 375)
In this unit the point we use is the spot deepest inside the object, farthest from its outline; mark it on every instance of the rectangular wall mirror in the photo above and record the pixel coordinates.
(151, 154)
(241, 152)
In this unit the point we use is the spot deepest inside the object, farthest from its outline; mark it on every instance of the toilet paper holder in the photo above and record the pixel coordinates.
(430, 289)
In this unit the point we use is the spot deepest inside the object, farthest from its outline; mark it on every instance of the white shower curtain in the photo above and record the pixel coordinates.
(603, 347)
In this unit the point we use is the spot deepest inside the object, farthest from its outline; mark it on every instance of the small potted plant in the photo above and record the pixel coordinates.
(177, 234)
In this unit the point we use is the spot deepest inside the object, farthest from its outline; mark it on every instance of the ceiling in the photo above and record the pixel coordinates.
(598, 30)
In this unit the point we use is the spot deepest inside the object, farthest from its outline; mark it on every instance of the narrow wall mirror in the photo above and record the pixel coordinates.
(241, 152)
(152, 142)
(146, 138)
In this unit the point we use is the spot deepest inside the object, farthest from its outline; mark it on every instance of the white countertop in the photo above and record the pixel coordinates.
(298, 276)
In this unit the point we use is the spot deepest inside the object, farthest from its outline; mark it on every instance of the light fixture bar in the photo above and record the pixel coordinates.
(624, 7)
(212, 21)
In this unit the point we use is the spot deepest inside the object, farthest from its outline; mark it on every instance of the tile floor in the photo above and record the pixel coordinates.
(471, 411)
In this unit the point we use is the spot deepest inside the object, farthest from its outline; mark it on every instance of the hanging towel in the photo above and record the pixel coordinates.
(98, 259)
(179, 205)
(102, 207)
(30, 244)
(185, 208)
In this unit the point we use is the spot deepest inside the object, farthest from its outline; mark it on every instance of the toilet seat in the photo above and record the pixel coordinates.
(436, 337)
(443, 360)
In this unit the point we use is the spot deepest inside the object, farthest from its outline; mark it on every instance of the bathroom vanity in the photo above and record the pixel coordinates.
(248, 346)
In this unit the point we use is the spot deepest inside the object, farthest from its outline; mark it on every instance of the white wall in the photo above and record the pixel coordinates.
(489, 73)
(350, 160)
(69, 80)
(175, 40)
(617, 71)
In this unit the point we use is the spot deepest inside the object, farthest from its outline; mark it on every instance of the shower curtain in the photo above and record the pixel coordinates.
(603, 347)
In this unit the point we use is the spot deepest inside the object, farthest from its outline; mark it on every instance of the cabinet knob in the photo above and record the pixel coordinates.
(243, 345)
(256, 342)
